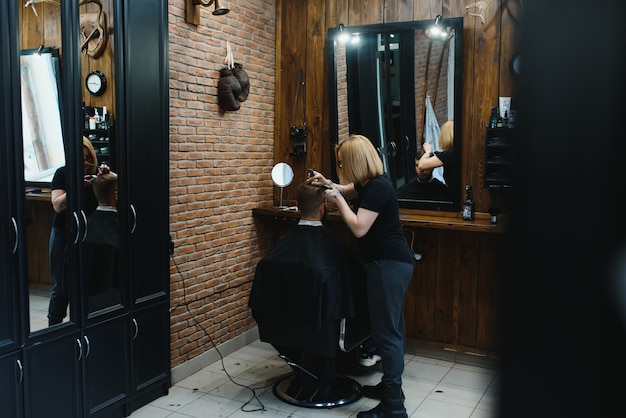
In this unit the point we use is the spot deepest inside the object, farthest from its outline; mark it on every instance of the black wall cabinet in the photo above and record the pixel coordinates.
(500, 158)
(104, 362)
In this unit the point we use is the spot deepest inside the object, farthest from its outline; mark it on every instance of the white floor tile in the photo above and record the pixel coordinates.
(433, 388)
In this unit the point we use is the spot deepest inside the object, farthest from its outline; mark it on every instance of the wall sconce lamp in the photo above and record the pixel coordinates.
(344, 35)
(438, 31)
(40, 50)
(192, 9)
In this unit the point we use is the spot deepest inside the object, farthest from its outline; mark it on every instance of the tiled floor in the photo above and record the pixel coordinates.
(433, 389)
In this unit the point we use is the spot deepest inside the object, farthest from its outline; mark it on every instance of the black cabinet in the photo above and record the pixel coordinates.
(108, 361)
(150, 365)
(51, 377)
(500, 158)
(11, 376)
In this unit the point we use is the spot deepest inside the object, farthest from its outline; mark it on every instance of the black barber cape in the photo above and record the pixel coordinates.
(302, 289)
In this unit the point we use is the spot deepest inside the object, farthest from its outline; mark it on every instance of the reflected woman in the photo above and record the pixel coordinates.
(59, 296)
(425, 186)
(445, 158)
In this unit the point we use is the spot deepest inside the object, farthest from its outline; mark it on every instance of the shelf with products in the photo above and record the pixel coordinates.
(103, 142)
(97, 128)
(500, 158)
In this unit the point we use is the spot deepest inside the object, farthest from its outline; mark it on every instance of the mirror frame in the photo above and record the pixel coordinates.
(455, 23)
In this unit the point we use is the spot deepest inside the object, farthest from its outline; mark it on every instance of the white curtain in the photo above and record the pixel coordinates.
(431, 135)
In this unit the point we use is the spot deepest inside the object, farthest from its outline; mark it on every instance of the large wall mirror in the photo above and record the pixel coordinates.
(398, 85)
(44, 151)
(60, 142)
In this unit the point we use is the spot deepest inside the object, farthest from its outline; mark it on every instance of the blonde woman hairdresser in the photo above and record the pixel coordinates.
(57, 309)
(375, 221)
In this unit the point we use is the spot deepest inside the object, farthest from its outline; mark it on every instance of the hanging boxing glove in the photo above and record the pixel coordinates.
(228, 88)
(244, 80)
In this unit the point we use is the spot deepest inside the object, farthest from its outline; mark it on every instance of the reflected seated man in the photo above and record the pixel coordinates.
(425, 186)
(301, 290)
(101, 254)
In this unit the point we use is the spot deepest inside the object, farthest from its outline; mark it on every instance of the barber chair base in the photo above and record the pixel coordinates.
(344, 392)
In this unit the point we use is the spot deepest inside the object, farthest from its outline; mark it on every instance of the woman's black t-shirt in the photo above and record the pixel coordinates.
(59, 181)
(384, 240)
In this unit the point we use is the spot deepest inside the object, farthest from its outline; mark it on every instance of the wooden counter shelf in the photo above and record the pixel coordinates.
(412, 219)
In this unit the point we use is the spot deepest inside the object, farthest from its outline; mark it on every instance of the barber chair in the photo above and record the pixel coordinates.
(310, 310)
(344, 390)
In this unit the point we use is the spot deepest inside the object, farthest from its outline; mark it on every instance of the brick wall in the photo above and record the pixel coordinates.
(220, 166)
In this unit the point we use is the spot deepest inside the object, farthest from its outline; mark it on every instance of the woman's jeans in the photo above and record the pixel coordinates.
(387, 282)
(58, 262)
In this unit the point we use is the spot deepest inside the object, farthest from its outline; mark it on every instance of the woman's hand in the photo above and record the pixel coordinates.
(317, 179)
(428, 147)
(333, 195)
(104, 169)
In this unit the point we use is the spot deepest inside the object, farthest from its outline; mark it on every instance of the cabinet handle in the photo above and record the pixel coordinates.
(136, 328)
(80, 349)
(393, 149)
(88, 344)
(21, 372)
(132, 208)
(17, 236)
(77, 227)
(82, 212)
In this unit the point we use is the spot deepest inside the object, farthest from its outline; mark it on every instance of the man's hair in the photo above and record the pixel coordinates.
(360, 160)
(309, 199)
(104, 187)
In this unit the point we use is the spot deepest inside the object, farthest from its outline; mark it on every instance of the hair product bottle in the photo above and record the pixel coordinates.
(468, 205)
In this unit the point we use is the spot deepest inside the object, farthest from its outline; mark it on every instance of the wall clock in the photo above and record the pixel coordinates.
(96, 83)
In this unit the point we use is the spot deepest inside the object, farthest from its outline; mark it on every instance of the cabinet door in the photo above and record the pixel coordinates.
(151, 354)
(10, 382)
(10, 305)
(146, 148)
(52, 377)
(105, 366)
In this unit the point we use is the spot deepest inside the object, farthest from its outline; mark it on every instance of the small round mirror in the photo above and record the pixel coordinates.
(282, 174)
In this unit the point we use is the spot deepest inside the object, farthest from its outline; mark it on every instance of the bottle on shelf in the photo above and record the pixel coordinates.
(468, 205)
(493, 121)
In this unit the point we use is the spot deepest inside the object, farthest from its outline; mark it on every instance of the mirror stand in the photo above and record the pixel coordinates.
(282, 176)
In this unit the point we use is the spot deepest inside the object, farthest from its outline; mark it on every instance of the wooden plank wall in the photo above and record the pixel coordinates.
(487, 49)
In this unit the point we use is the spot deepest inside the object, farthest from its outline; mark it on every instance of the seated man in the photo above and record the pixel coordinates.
(424, 186)
(300, 293)
(101, 254)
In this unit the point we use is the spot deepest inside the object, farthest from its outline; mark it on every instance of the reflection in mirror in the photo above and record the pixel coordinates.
(41, 115)
(100, 277)
(101, 246)
(282, 176)
(42, 145)
(393, 84)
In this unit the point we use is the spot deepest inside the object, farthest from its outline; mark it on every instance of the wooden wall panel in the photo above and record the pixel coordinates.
(487, 50)
(467, 302)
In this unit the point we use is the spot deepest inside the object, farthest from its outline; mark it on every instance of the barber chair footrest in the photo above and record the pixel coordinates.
(343, 392)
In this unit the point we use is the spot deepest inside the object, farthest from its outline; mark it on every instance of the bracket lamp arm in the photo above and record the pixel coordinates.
(192, 9)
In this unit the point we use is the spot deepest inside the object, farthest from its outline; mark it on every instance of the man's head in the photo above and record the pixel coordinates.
(105, 189)
(311, 201)
(423, 175)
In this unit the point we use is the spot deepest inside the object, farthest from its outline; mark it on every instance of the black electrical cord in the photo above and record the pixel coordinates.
(186, 304)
